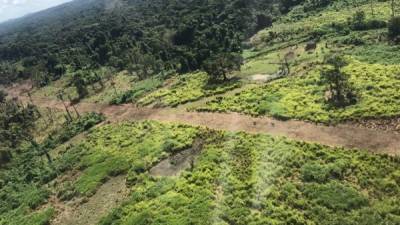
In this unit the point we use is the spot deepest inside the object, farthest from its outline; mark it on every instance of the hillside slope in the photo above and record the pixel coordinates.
(108, 125)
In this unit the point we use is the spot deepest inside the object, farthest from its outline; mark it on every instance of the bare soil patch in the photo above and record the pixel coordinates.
(261, 78)
(174, 165)
(90, 211)
(19, 89)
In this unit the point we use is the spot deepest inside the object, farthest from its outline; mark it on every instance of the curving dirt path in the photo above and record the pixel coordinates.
(348, 136)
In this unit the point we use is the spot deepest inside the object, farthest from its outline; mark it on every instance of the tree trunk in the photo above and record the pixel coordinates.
(393, 8)
(48, 156)
(66, 109)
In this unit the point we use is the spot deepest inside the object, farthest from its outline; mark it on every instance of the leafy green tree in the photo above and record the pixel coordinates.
(340, 91)
(3, 96)
(80, 85)
(394, 27)
(219, 66)
(358, 20)
(8, 72)
(16, 125)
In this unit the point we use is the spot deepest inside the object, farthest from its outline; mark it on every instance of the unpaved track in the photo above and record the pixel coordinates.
(336, 136)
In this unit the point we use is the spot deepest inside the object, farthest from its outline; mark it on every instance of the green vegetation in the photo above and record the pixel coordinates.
(355, 30)
(114, 149)
(394, 28)
(325, 61)
(303, 97)
(104, 89)
(376, 54)
(140, 89)
(220, 66)
(339, 91)
(332, 21)
(16, 126)
(256, 179)
(187, 88)
(145, 37)
(25, 178)
(237, 178)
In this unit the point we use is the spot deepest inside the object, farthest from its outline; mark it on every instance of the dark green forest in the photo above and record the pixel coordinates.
(142, 36)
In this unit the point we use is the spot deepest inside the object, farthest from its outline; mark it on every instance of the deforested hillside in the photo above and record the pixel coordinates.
(182, 112)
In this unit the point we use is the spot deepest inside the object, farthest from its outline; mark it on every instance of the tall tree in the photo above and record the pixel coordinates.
(80, 85)
(3, 96)
(340, 91)
(16, 124)
(219, 66)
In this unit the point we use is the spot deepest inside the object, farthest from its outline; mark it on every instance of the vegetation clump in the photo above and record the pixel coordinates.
(220, 66)
(340, 92)
(394, 28)
(187, 88)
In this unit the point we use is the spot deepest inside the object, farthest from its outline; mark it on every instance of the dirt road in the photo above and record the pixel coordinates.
(337, 136)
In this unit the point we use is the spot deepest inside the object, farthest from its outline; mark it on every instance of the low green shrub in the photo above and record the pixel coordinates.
(336, 196)
(140, 89)
(394, 27)
(187, 88)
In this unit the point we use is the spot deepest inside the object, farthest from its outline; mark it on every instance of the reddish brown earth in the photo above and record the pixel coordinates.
(345, 135)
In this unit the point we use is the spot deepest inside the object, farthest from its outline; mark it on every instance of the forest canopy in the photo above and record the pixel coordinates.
(142, 36)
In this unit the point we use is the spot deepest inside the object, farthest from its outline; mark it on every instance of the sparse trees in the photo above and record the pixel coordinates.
(340, 93)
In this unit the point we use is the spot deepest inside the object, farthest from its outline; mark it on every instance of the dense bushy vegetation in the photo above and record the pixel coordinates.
(251, 179)
(322, 90)
(303, 97)
(23, 178)
(187, 88)
(340, 92)
(145, 37)
(16, 126)
(237, 178)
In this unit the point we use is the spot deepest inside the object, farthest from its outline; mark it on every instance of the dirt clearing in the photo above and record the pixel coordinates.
(108, 196)
(175, 164)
